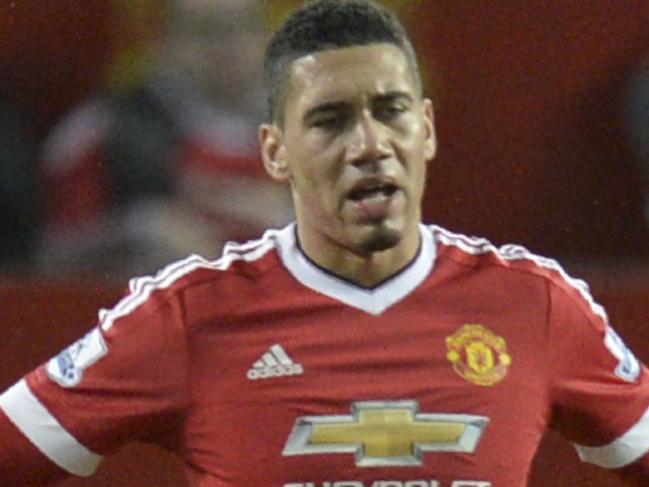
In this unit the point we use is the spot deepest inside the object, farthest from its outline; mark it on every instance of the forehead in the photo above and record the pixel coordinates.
(349, 73)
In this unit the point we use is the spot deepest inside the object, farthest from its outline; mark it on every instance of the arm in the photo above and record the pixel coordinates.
(599, 390)
(21, 462)
(123, 381)
(637, 473)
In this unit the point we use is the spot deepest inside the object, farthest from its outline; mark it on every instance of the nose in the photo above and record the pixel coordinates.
(368, 141)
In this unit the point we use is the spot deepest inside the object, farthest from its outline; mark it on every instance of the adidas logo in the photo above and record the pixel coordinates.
(274, 363)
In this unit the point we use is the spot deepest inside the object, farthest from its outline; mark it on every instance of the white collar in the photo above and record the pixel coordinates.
(373, 301)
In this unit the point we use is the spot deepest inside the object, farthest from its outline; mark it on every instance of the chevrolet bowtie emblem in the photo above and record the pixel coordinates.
(386, 433)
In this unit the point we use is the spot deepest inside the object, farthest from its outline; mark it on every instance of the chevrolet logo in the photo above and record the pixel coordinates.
(386, 433)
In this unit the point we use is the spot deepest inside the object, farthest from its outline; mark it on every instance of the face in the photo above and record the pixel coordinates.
(354, 146)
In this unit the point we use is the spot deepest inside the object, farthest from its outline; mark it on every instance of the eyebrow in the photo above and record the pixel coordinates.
(394, 95)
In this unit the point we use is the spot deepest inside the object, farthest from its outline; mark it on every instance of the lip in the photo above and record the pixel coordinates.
(370, 184)
(375, 199)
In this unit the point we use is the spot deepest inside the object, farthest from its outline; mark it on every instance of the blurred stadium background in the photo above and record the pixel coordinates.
(531, 102)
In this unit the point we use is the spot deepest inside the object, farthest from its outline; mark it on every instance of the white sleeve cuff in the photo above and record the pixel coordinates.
(41, 428)
(621, 452)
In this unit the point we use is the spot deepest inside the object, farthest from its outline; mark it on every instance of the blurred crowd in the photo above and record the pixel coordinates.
(153, 169)
(635, 117)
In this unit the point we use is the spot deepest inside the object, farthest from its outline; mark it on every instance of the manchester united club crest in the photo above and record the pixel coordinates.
(478, 355)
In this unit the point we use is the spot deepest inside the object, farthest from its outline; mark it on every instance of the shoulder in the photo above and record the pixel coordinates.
(480, 252)
(476, 252)
(195, 274)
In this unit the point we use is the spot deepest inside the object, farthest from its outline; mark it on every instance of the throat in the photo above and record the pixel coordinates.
(367, 267)
(374, 270)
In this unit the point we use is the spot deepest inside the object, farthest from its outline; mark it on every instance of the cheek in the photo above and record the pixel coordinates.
(308, 183)
(418, 173)
(316, 168)
(414, 167)
(319, 190)
(412, 145)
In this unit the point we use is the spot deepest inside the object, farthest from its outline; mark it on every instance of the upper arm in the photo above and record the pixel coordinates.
(600, 392)
(121, 382)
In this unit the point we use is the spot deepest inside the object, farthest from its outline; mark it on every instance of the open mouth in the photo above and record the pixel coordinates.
(370, 192)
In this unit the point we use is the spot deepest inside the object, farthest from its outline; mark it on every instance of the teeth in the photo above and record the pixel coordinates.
(379, 195)
(370, 192)
(373, 192)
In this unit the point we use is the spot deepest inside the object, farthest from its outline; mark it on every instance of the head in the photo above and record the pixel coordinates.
(322, 25)
(348, 128)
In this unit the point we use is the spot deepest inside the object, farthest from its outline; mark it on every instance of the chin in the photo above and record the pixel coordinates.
(380, 238)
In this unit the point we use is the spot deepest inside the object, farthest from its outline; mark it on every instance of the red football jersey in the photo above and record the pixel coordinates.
(261, 369)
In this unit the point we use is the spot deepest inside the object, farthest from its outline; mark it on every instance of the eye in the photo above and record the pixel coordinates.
(390, 111)
(330, 121)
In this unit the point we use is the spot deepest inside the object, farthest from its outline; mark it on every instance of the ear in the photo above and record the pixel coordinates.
(430, 141)
(273, 153)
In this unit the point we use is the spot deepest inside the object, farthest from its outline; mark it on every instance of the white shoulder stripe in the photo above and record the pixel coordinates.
(240, 247)
(622, 452)
(141, 288)
(477, 246)
(248, 251)
(46, 433)
(470, 245)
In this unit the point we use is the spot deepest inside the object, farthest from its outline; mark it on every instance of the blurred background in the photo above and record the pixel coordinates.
(128, 139)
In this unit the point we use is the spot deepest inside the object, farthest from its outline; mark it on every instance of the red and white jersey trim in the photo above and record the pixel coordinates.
(141, 288)
(374, 301)
(510, 252)
(45, 432)
(623, 451)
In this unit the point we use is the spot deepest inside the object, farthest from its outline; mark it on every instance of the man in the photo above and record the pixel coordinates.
(357, 347)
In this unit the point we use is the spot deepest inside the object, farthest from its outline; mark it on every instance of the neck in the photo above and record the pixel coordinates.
(366, 269)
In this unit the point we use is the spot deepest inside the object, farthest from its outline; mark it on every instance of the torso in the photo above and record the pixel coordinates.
(269, 372)
(396, 364)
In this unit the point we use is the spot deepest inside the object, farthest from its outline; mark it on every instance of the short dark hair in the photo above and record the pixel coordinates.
(321, 25)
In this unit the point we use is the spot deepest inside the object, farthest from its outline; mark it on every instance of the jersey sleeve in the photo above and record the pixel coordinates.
(599, 390)
(125, 380)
